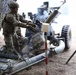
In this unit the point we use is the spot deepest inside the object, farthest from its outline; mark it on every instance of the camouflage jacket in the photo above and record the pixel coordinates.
(12, 22)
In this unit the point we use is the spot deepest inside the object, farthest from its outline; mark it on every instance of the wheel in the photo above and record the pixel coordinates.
(66, 34)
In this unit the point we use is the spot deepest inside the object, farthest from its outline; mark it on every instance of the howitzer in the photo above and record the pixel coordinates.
(12, 66)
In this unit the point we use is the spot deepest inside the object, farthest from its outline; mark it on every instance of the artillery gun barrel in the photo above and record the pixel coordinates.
(52, 16)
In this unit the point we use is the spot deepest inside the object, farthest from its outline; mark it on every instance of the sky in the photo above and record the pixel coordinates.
(31, 6)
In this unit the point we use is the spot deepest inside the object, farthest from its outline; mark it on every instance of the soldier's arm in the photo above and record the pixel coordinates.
(26, 21)
(24, 25)
(10, 19)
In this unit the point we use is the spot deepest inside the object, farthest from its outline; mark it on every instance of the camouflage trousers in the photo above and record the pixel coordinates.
(13, 42)
(9, 41)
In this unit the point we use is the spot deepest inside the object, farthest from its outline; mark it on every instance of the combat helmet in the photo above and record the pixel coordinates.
(13, 5)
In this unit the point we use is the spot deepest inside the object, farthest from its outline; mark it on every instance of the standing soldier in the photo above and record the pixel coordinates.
(12, 23)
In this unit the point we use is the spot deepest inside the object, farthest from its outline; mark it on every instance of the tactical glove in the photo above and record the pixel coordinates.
(32, 24)
(31, 28)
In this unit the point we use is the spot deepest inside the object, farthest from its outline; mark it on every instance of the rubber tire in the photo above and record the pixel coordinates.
(66, 34)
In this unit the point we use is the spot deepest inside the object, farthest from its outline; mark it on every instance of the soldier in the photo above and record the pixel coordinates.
(12, 23)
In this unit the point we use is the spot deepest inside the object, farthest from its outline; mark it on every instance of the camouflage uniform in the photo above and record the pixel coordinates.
(11, 25)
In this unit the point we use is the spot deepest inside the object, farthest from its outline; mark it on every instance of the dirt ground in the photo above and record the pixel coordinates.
(56, 64)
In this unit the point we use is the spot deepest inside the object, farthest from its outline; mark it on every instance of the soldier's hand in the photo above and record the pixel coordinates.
(31, 28)
(32, 24)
